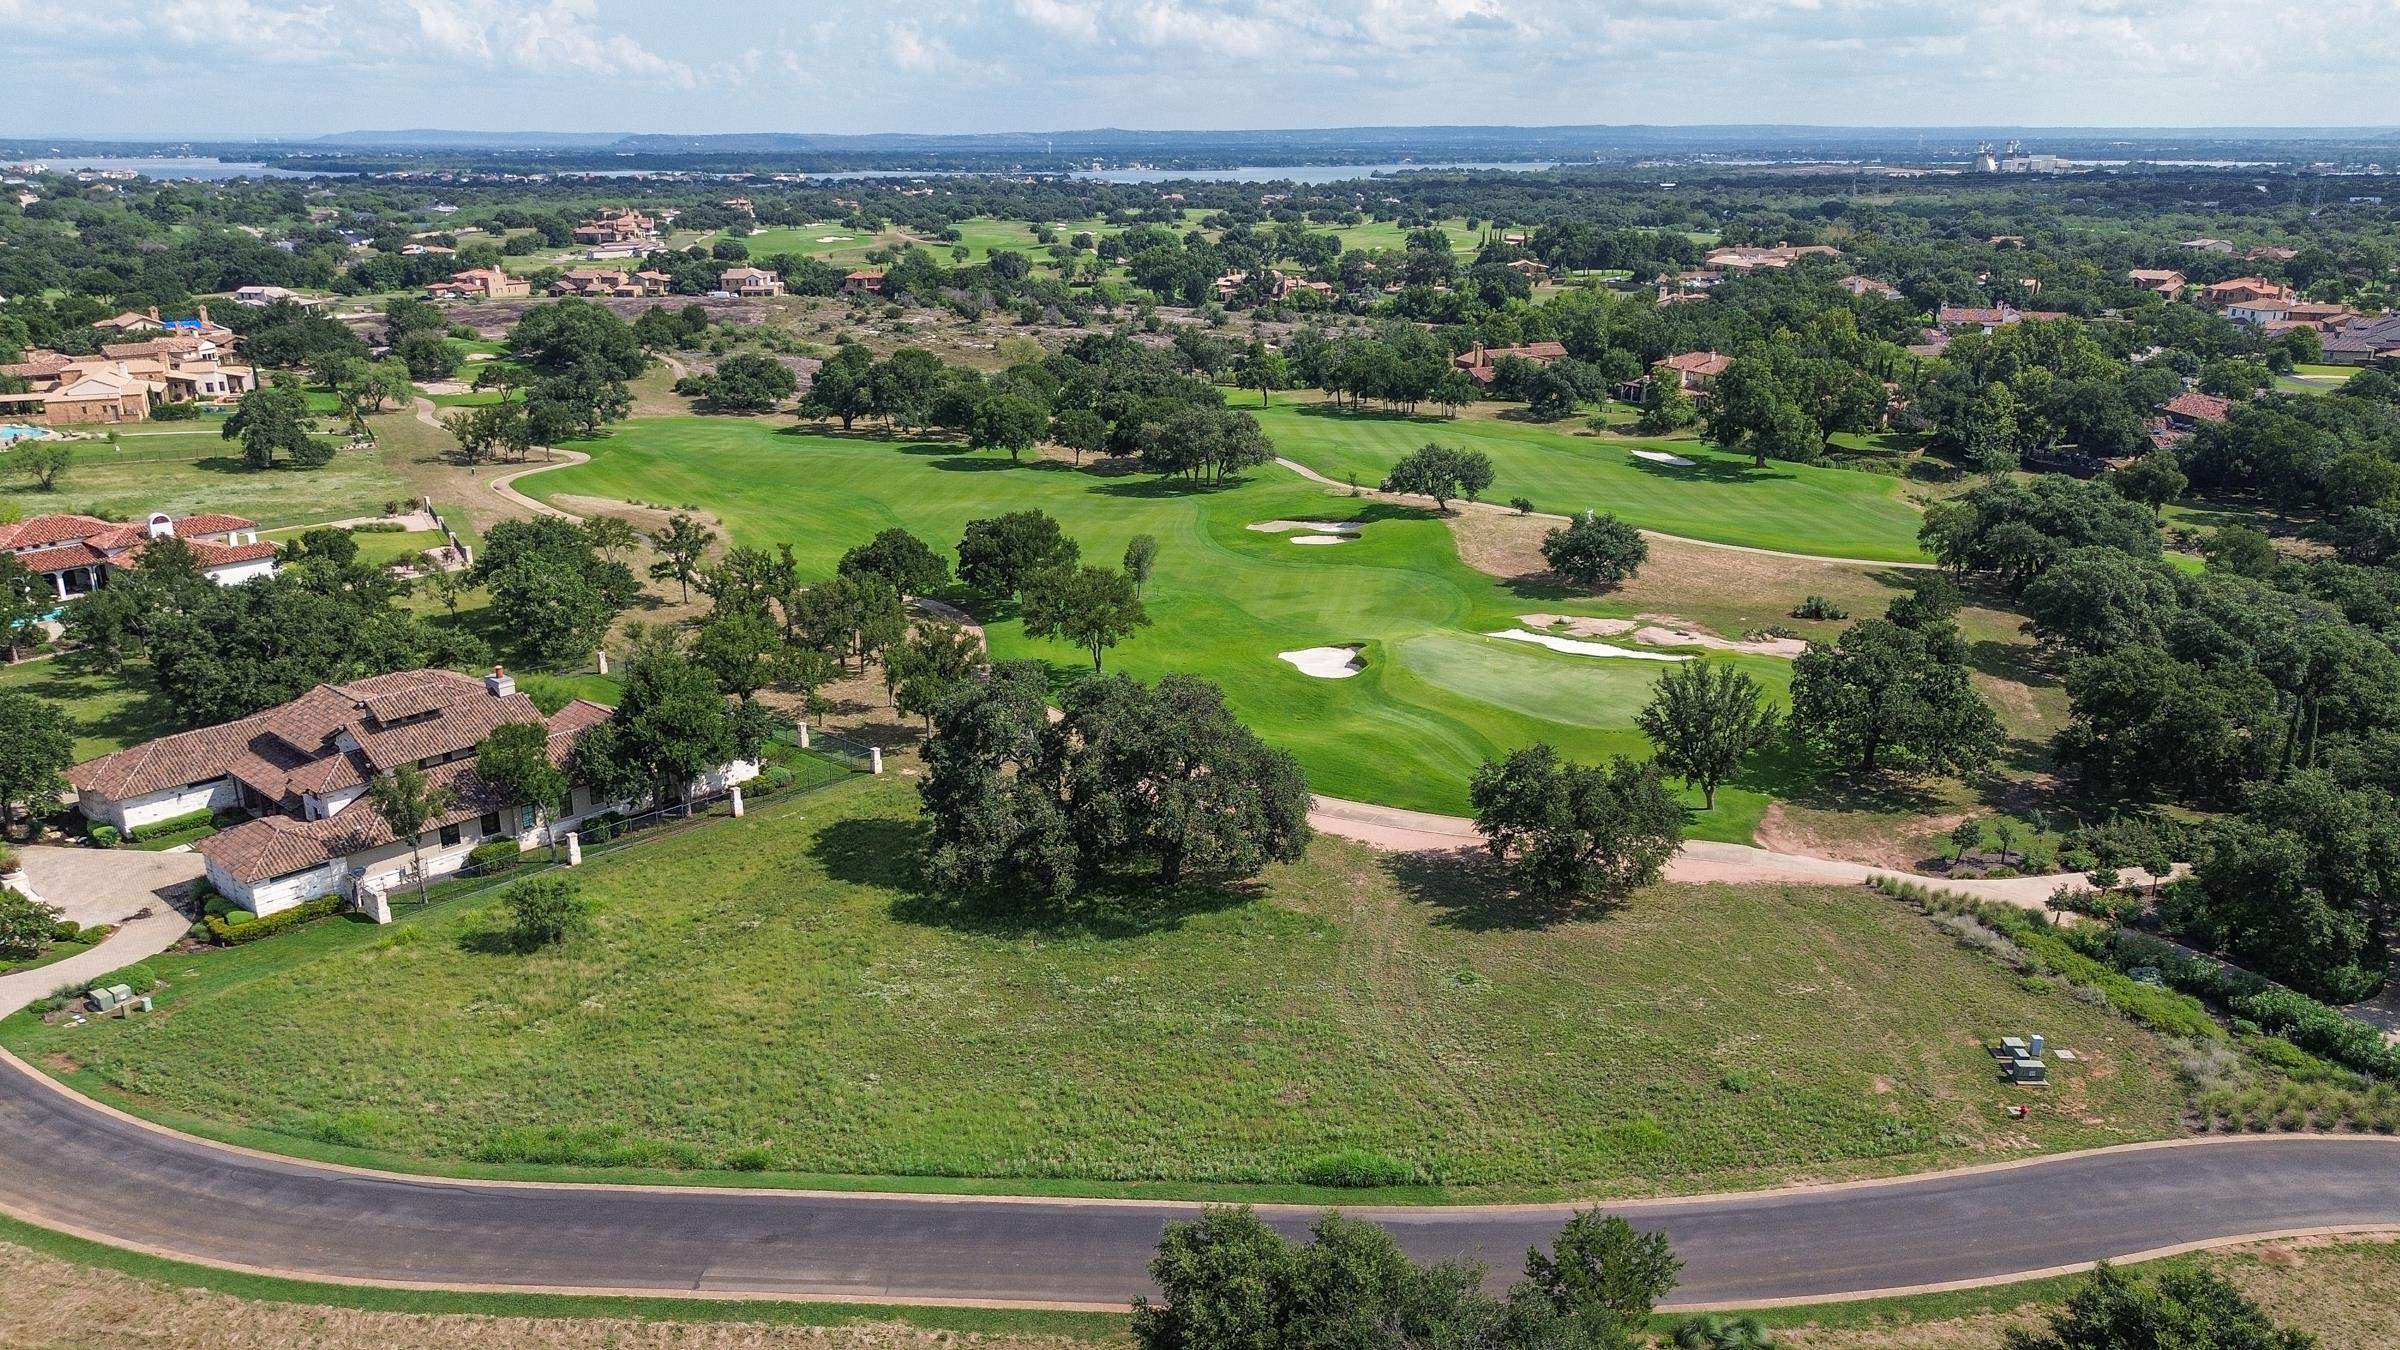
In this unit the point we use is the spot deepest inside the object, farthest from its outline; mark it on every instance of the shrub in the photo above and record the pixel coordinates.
(1356, 1168)
(1523, 506)
(26, 925)
(189, 820)
(9, 862)
(497, 856)
(545, 910)
(1818, 607)
(228, 932)
(106, 836)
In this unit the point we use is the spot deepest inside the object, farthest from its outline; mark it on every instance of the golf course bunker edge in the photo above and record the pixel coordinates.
(1327, 663)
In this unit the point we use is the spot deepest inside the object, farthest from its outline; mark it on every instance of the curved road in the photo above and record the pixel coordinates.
(83, 1168)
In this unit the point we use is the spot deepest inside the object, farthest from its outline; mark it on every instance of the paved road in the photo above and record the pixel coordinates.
(74, 1166)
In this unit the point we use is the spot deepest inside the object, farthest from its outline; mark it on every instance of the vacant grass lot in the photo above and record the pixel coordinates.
(1794, 508)
(187, 468)
(769, 994)
(1437, 698)
(106, 712)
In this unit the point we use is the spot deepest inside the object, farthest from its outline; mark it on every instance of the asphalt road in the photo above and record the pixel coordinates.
(70, 1165)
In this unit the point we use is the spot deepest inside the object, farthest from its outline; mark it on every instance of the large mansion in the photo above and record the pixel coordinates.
(124, 380)
(74, 555)
(302, 771)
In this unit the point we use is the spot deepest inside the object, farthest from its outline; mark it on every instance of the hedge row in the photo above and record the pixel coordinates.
(2161, 1010)
(189, 820)
(308, 911)
(2313, 1026)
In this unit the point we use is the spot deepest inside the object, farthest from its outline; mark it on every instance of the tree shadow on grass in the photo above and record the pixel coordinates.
(1473, 894)
(1328, 410)
(1714, 470)
(884, 853)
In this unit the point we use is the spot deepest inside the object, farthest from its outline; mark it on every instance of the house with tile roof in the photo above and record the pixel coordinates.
(1482, 363)
(74, 555)
(302, 770)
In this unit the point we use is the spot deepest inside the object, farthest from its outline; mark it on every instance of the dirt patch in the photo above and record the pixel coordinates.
(1783, 830)
(48, 1302)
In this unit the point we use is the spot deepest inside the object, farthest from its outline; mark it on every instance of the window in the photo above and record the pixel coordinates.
(490, 824)
(449, 835)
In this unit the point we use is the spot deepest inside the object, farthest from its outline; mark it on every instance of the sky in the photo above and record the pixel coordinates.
(197, 68)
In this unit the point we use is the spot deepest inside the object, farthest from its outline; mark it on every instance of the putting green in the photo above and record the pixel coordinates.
(1435, 700)
(1791, 508)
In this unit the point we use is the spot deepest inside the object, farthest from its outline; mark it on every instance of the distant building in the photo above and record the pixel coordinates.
(863, 283)
(1868, 286)
(750, 282)
(2157, 280)
(75, 555)
(1742, 258)
(1481, 362)
(618, 228)
(2188, 410)
(2243, 290)
(480, 283)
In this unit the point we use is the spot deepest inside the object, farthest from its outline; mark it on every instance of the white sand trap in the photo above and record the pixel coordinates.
(1321, 538)
(1662, 457)
(1312, 526)
(1326, 663)
(1665, 630)
(1575, 648)
(835, 238)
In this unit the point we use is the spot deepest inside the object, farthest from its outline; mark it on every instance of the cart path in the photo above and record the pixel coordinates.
(1379, 494)
(86, 1169)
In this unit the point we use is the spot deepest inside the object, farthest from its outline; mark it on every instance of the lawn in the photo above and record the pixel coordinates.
(1563, 468)
(106, 712)
(1436, 699)
(377, 548)
(186, 470)
(768, 997)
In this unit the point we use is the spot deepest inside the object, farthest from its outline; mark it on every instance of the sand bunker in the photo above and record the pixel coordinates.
(1320, 539)
(835, 238)
(1315, 527)
(1573, 647)
(1662, 630)
(1326, 663)
(1662, 457)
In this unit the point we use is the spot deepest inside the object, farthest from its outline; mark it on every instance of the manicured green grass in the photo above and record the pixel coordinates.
(1791, 508)
(192, 469)
(770, 994)
(1226, 600)
(378, 547)
(106, 712)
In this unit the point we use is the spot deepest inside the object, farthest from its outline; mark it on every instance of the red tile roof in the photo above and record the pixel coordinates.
(2198, 407)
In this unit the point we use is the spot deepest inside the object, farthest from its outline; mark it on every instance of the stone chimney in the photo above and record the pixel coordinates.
(154, 314)
(500, 684)
(204, 314)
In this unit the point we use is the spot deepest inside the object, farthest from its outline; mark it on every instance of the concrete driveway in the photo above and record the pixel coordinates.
(143, 894)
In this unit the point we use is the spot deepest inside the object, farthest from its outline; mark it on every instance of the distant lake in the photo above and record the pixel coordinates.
(1297, 173)
(191, 167)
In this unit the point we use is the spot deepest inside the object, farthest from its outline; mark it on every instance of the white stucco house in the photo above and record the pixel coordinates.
(74, 554)
(302, 771)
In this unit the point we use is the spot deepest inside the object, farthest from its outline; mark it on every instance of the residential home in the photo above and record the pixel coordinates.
(427, 250)
(1955, 319)
(1864, 287)
(1481, 362)
(1229, 283)
(259, 297)
(1693, 372)
(2365, 341)
(2270, 253)
(123, 381)
(480, 283)
(2161, 281)
(597, 282)
(302, 771)
(650, 281)
(76, 555)
(750, 282)
(2287, 312)
(2191, 408)
(1743, 258)
(618, 228)
(2242, 290)
(1529, 269)
(863, 283)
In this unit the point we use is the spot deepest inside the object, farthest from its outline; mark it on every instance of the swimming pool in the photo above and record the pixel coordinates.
(13, 432)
